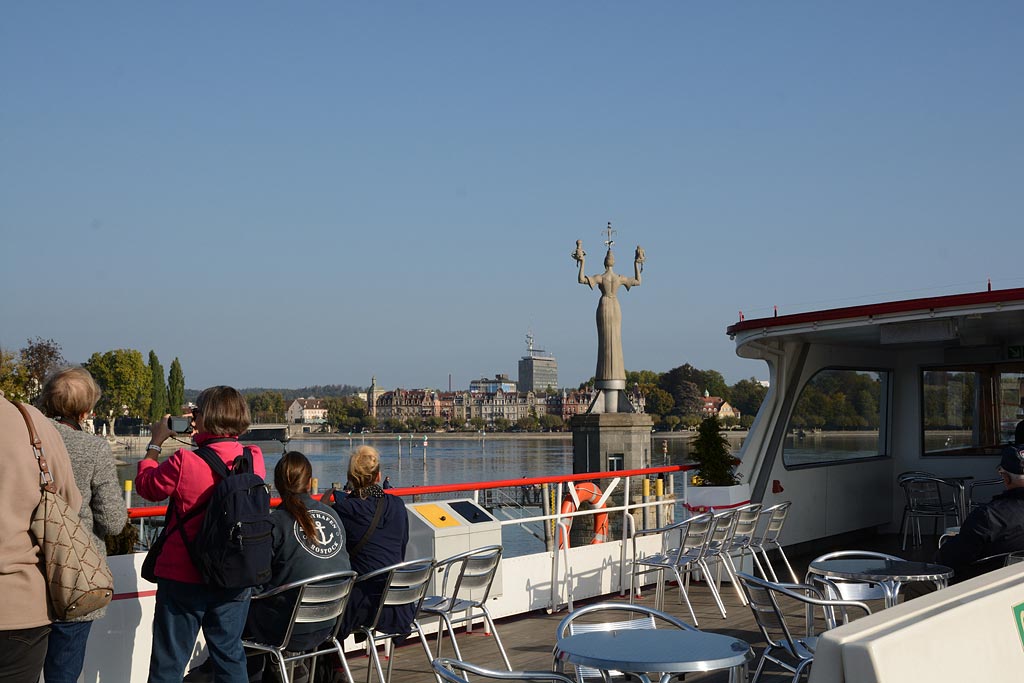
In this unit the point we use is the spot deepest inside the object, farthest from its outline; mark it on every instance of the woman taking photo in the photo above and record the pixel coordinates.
(184, 603)
(68, 398)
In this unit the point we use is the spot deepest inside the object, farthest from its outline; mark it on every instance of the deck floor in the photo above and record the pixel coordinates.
(529, 638)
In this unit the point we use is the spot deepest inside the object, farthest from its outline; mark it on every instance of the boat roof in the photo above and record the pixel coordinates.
(979, 316)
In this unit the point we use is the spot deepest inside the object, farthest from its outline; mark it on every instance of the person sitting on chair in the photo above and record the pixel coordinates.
(993, 529)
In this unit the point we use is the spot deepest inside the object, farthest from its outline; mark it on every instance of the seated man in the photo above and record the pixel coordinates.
(991, 529)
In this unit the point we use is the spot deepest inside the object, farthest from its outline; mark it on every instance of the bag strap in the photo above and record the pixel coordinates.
(45, 478)
(369, 532)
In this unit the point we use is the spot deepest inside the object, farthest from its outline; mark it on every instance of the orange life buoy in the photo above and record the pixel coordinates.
(587, 493)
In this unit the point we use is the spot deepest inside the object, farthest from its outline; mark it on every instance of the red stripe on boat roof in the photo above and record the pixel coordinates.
(934, 302)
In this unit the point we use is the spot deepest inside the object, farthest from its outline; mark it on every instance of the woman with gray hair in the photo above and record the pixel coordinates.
(68, 398)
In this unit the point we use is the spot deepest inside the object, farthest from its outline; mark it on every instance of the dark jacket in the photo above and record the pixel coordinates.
(386, 546)
(995, 528)
(295, 558)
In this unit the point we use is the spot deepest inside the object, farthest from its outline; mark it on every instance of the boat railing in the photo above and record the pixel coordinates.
(634, 497)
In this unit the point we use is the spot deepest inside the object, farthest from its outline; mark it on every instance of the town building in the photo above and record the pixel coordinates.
(486, 385)
(717, 406)
(307, 411)
(538, 370)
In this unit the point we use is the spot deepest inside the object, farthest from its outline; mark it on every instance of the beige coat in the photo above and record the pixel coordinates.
(21, 579)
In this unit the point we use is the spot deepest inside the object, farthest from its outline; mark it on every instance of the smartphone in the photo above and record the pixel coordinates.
(180, 425)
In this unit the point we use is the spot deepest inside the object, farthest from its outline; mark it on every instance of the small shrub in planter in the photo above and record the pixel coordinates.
(710, 450)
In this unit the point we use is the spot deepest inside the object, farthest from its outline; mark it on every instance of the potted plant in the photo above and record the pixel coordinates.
(716, 483)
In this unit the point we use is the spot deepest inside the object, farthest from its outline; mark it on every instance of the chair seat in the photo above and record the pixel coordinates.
(437, 604)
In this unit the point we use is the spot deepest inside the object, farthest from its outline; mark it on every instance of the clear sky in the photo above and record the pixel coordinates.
(285, 194)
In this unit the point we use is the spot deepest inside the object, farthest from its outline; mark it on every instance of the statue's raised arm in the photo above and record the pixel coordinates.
(638, 263)
(580, 257)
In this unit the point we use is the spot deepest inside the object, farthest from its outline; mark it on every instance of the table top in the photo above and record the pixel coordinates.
(644, 650)
(879, 569)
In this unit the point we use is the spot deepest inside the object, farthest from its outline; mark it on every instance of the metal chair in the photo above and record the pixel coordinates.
(835, 588)
(927, 498)
(794, 654)
(683, 548)
(988, 487)
(318, 600)
(465, 585)
(717, 550)
(405, 583)
(747, 518)
(449, 670)
(774, 519)
(575, 623)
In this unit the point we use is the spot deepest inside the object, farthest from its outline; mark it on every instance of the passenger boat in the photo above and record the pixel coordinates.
(946, 375)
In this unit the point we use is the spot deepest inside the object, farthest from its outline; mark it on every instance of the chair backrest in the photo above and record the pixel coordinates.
(987, 489)
(747, 517)
(454, 671)
(775, 518)
(928, 495)
(319, 599)
(844, 589)
(723, 527)
(405, 583)
(698, 529)
(469, 575)
(769, 616)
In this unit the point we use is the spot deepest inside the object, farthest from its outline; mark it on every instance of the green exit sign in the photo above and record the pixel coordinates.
(1015, 353)
(1018, 617)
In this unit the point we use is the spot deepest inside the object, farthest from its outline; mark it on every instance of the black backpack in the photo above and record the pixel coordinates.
(233, 546)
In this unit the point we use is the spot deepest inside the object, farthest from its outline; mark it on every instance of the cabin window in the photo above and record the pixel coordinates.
(970, 409)
(841, 415)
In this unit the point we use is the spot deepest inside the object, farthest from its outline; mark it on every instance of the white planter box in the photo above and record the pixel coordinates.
(701, 498)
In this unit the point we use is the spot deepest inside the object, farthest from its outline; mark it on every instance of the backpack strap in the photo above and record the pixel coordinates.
(378, 511)
(210, 457)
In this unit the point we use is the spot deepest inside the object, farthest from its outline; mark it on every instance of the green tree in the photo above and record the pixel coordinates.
(528, 424)
(13, 379)
(477, 422)
(552, 423)
(268, 406)
(414, 423)
(39, 358)
(502, 424)
(435, 422)
(659, 401)
(672, 421)
(125, 380)
(176, 387)
(158, 406)
(747, 395)
(710, 450)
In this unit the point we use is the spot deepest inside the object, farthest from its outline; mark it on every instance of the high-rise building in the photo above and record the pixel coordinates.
(538, 370)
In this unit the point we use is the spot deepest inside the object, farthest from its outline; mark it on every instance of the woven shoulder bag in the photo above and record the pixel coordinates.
(78, 580)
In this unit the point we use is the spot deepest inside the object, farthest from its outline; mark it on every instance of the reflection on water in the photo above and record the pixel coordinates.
(805, 448)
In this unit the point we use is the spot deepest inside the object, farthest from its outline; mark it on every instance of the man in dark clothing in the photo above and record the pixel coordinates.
(992, 529)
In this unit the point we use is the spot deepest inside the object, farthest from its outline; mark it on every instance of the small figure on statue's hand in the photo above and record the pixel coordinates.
(579, 253)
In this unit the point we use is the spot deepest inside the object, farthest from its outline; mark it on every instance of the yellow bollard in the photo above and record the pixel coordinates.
(647, 487)
(659, 487)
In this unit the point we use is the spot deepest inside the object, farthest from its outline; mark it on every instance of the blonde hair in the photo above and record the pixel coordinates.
(69, 393)
(225, 411)
(364, 467)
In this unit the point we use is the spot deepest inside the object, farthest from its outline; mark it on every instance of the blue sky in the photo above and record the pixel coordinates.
(284, 194)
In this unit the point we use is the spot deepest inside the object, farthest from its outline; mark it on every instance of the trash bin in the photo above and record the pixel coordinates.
(440, 529)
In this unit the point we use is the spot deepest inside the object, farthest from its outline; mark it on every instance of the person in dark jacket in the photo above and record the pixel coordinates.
(991, 529)
(384, 545)
(308, 540)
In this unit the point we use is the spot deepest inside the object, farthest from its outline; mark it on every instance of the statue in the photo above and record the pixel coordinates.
(611, 370)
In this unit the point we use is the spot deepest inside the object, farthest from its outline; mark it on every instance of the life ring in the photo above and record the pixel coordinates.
(587, 493)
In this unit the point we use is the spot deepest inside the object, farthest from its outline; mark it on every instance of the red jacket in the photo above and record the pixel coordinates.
(189, 482)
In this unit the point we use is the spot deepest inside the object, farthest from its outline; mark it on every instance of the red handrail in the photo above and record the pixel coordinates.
(161, 510)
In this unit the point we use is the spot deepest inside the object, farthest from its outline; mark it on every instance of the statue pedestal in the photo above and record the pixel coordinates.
(611, 441)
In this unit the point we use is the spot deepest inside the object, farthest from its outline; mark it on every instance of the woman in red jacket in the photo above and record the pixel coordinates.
(184, 604)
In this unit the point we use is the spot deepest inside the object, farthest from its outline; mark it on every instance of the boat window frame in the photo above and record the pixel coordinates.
(884, 419)
(994, 368)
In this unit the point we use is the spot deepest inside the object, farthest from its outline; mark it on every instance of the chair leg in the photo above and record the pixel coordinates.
(686, 597)
(711, 584)
(785, 560)
(279, 658)
(497, 638)
(730, 569)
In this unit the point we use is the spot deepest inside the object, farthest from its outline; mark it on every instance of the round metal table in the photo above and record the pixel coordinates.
(890, 574)
(665, 651)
